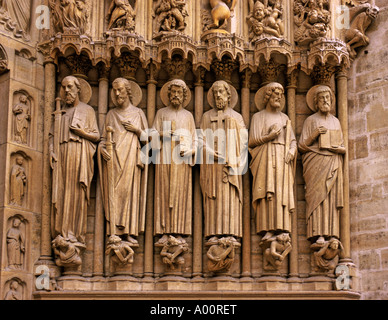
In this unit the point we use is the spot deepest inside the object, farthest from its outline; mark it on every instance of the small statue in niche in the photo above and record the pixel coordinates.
(21, 111)
(327, 254)
(312, 20)
(265, 19)
(361, 18)
(18, 182)
(13, 293)
(221, 253)
(67, 252)
(172, 250)
(121, 15)
(171, 15)
(119, 251)
(15, 245)
(275, 250)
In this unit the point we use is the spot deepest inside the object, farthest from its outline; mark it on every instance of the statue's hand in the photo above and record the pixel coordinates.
(53, 159)
(105, 154)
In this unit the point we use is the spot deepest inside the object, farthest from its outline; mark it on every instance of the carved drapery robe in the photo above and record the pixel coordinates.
(20, 12)
(129, 173)
(221, 183)
(323, 175)
(75, 172)
(173, 179)
(271, 175)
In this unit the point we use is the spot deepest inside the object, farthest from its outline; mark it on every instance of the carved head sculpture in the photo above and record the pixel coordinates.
(320, 98)
(283, 237)
(258, 10)
(19, 160)
(16, 222)
(122, 92)
(222, 94)
(323, 99)
(372, 12)
(273, 95)
(23, 99)
(177, 93)
(71, 87)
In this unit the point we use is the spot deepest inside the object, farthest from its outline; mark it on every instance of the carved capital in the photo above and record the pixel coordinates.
(270, 71)
(128, 65)
(80, 65)
(177, 67)
(322, 74)
(224, 68)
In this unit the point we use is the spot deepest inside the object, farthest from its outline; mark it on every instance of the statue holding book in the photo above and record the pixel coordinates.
(322, 147)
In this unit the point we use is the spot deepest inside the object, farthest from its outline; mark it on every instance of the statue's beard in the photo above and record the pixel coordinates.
(70, 98)
(325, 107)
(221, 104)
(176, 102)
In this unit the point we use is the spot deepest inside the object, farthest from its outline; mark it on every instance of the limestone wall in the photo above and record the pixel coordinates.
(368, 124)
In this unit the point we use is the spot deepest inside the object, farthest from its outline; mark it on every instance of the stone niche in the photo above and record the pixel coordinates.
(177, 240)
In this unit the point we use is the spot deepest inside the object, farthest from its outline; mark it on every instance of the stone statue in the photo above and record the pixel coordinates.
(123, 171)
(221, 254)
(121, 15)
(70, 16)
(327, 254)
(275, 250)
(361, 18)
(273, 147)
(176, 157)
(171, 15)
(18, 182)
(322, 147)
(67, 252)
(19, 12)
(119, 251)
(312, 20)
(265, 20)
(72, 147)
(172, 251)
(15, 245)
(221, 13)
(223, 142)
(13, 293)
(81, 12)
(22, 118)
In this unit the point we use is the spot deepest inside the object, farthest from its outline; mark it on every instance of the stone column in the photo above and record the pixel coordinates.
(149, 229)
(291, 111)
(246, 240)
(197, 219)
(99, 233)
(342, 103)
(49, 105)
